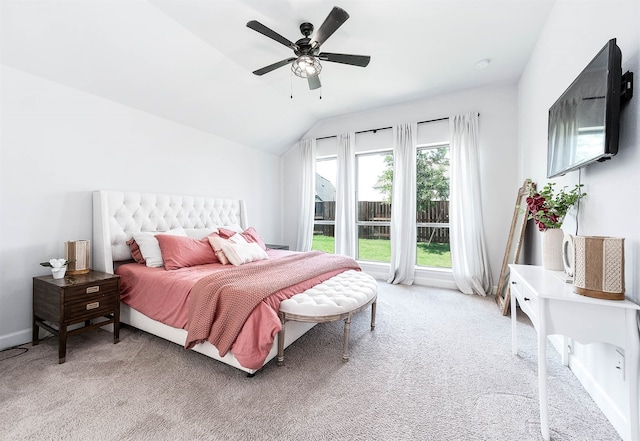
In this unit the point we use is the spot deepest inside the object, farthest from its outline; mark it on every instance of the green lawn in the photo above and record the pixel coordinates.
(379, 250)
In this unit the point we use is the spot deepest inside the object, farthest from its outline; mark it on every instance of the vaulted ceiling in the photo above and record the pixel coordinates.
(191, 61)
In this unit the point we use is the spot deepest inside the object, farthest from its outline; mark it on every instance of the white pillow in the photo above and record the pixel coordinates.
(237, 238)
(149, 246)
(199, 233)
(241, 253)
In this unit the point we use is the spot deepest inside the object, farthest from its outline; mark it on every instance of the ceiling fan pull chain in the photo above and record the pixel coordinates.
(321, 93)
(291, 84)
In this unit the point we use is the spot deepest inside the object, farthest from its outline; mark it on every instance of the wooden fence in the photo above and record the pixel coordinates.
(375, 211)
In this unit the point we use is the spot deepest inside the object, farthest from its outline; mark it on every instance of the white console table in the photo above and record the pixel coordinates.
(554, 308)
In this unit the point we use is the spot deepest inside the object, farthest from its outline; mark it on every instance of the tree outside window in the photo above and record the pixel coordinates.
(373, 208)
(432, 203)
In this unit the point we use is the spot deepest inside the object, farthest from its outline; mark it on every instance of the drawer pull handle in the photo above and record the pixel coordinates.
(526, 299)
(93, 305)
(92, 289)
(513, 282)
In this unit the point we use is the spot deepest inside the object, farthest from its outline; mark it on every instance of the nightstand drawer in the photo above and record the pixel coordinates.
(85, 291)
(94, 306)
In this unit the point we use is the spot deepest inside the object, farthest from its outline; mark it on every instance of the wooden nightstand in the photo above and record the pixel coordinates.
(75, 299)
(276, 247)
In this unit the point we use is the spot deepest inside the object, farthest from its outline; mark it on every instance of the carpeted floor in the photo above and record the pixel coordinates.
(437, 367)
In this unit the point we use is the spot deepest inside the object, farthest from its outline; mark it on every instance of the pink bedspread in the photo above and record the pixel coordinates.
(164, 296)
(220, 304)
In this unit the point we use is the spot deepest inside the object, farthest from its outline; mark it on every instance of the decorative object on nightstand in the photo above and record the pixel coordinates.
(77, 252)
(60, 303)
(58, 267)
(548, 211)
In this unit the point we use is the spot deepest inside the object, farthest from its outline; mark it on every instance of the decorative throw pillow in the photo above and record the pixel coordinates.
(226, 233)
(180, 252)
(237, 238)
(215, 242)
(241, 253)
(231, 227)
(135, 251)
(149, 246)
(250, 234)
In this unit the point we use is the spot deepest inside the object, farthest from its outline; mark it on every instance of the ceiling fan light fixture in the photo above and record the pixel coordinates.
(306, 66)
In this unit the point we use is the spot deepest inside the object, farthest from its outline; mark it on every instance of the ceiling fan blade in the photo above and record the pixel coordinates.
(353, 60)
(314, 82)
(259, 27)
(334, 20)
(273, 66)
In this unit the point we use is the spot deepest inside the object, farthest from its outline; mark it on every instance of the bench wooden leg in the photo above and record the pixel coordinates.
(373, 315)
(347, 328)
(281, 342)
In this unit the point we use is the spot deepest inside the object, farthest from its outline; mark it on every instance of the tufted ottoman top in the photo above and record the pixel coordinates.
(340, 294)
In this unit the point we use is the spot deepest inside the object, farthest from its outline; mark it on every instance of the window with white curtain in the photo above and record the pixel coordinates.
(432, 206)
(374, 175)
(325, 201)
(373, 199)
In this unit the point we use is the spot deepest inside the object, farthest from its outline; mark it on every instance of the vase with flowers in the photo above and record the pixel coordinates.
(548, 209)
(58, 267)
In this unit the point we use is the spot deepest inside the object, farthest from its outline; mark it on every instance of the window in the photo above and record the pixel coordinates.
(325, 211)
(373, 199)
(432, 206)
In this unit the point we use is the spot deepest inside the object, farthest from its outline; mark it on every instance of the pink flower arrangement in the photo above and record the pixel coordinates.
(548, 210)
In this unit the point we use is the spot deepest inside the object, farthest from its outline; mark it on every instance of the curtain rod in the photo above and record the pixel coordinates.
(385, 128)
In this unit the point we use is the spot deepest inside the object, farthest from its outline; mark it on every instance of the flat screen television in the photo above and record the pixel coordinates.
(584, 122)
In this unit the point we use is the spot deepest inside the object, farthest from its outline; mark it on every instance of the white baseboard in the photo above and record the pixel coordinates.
(437, 278)
(15, 338)
(24, 336)
(609, 408)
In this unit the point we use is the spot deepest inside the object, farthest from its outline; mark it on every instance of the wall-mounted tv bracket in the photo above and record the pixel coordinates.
(626, 91)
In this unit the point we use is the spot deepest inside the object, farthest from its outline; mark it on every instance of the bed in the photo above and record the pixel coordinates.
(119, 215)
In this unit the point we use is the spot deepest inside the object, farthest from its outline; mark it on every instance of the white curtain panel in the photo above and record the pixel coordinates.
(469, 260)
(345, 234)
(403, 205)
(307, 194)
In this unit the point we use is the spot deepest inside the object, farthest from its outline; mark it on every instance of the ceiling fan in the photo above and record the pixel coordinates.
(306, 63)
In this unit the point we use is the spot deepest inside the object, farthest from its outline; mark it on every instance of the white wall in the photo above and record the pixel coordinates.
(573, 35)
(59, 144)
(498, 155)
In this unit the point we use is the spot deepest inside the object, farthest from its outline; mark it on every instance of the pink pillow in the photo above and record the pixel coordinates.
(135, 251)
(179, 251)
(250, 234)
(225, 234)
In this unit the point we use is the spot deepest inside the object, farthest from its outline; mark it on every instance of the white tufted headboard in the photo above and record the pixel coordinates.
(119, 214)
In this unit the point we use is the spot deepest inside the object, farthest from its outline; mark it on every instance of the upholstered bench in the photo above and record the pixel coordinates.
(335, 299)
